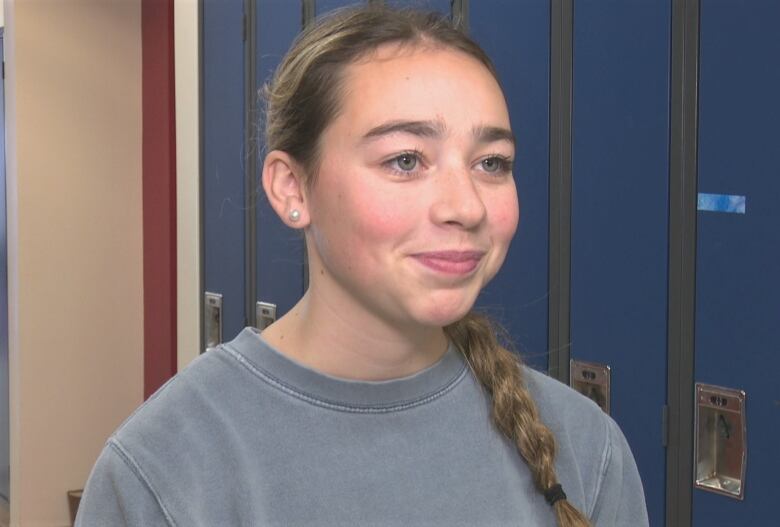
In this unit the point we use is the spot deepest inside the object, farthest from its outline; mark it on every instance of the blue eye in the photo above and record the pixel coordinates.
(491, 164)
(496, 165)
(406, 162)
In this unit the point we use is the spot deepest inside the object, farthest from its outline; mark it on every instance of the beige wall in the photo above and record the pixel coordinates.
(188, 287)
(73, 81)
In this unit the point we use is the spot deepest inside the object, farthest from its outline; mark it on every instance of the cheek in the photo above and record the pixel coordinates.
(357, 229)
(378, 217)
(505, 216)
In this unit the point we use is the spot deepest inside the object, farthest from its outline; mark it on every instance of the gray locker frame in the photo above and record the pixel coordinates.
(559, 279)
(683, 168)
(308, 12)
(459, 11)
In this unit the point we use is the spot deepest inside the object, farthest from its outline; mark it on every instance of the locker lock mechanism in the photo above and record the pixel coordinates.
(212, 319)
(265, 315)
(721, 441)
(592, 381)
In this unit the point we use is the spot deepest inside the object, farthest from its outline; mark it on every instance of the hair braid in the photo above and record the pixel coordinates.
(513, 410)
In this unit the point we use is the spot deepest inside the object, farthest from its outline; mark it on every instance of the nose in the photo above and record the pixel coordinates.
(458, 201)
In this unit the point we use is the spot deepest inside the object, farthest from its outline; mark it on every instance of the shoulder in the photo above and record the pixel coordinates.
(594, 462)
(188, 414)
(584, 434)
(582, 430)
(562, 406)
(190, 388)
(146, 458)
(172, 436)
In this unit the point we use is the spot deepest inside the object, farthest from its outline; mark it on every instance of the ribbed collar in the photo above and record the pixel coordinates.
(343, 394)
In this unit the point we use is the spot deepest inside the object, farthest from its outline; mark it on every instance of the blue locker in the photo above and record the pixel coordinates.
(516, 35)
(323, 6)
(280, 250)
(224, 157)
(434, 5)
(620, 171)
(737, 270)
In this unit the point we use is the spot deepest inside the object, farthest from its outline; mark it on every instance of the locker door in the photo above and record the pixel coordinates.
(515, 34)
(233, 204)
(224, 159)
(443, 6)
(620, 137)
(737, 269)
(280, 253)
(323, 6)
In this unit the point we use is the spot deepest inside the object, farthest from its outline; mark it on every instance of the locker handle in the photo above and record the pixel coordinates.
(721, 440)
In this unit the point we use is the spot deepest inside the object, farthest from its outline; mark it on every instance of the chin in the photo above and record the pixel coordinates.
(442, 315)
(441, 322)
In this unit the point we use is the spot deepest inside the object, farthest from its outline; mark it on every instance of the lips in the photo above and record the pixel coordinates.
(450, 262)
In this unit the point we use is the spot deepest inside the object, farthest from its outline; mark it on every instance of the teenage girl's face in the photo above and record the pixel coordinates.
(414, 204)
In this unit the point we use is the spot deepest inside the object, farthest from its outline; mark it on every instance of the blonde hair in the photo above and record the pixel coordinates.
(304, 96)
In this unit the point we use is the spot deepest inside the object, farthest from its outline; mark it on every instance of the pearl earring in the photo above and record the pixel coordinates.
(295, 215)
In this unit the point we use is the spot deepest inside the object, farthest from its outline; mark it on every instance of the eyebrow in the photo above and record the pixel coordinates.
(491, 134)
(433, 129)
(436, 129)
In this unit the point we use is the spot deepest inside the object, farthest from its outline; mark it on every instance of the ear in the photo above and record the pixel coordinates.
(284, 186)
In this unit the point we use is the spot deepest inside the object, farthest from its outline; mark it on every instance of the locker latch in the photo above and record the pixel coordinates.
(212, 319)
(591, 380)
(265, 315)
(720, 451)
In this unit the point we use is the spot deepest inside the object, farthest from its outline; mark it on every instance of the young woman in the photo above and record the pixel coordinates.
(379, 399)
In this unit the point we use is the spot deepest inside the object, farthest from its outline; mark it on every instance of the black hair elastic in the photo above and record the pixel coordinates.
(554, 494)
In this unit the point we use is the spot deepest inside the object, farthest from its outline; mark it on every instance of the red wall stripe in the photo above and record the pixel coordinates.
(159, 193)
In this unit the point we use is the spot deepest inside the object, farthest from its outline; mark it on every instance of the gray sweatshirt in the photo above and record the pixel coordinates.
(246, 436)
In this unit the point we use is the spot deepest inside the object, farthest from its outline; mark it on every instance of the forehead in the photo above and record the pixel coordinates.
(422, 82)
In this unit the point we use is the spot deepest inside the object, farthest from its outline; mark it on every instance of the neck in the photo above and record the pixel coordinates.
(353, 345)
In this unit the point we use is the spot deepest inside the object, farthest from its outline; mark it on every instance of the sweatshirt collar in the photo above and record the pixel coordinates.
(345, 394)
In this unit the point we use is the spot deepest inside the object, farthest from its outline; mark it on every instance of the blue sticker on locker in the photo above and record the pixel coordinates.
(722, 203)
